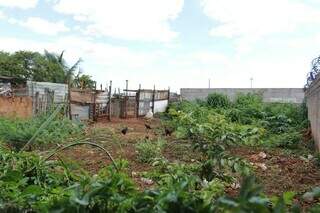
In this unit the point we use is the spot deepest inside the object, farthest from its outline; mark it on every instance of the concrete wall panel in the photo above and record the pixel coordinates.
(291, 95)
(313, 103)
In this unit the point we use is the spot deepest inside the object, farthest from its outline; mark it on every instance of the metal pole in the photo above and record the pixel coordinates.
(209, 84)
(251, 82)
(127, 82)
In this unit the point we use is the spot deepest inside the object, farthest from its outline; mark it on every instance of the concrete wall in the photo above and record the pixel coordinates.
(291, 95)
(16, 107)
(313, 103)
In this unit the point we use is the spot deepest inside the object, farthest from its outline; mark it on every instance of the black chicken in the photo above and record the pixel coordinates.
(168, 131)
(124, 130)
(147, 126)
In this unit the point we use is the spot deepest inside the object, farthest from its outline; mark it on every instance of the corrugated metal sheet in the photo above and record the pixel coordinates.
(82, 96)
(102, 97)
(146, 95)
(60, 90)
(80, 112)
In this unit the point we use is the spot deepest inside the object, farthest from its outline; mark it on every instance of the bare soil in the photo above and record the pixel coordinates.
(284, 171)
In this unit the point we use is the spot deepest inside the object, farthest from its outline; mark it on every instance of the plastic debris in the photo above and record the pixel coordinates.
(147, 181)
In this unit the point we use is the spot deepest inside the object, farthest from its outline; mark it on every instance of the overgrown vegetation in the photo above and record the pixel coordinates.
(247, 120)
(29, 183)
(17, 132)
(50, 186)
(147, 150)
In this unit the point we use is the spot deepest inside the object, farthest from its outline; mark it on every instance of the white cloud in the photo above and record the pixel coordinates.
(2, 15)
(258, 17)
(101, 60)
(169, 67)
(76, 47)
(22, 4)
(41, 26)
(144, 20)
(207, 57)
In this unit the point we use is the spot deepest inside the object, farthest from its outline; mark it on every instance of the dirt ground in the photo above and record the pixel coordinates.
(120, 146)
(282, 171)
(278, 171)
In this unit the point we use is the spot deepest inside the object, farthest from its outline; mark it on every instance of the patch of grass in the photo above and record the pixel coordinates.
(217, 100)
(17, 132)
(147, 150)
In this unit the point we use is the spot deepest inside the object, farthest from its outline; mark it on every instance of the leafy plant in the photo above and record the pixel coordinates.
(217, 100)
(290, 140)
(147, 150)
(17, 132)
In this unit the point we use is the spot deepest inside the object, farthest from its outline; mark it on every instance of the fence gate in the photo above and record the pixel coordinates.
(43, 102)
(129, 107)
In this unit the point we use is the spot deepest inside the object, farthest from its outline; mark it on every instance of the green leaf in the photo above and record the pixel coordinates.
(288, 197)
(12, 176)
(33, 190)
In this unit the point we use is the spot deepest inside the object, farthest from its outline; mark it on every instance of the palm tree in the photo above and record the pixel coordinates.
(69, 72)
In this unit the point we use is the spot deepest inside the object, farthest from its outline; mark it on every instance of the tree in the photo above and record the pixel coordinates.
(58, 60)
(50, 67)
(83, 82)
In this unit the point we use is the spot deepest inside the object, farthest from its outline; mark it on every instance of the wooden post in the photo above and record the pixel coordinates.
(126, 101)
(138, 102)
(109, 106)
(36, 109)
(95, 116)
(168, 95)
(153, 97)
(69, 101)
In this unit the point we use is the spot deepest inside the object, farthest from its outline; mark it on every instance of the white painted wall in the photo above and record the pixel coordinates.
(160, 106)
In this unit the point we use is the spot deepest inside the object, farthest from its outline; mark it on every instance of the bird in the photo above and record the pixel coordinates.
(168, 131)
(147, 126)
(124, 130)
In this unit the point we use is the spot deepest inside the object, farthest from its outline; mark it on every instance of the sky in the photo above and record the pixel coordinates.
(172, 43)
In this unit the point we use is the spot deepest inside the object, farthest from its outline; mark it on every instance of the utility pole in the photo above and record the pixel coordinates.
(127, 87)
(251, 82)
(209, 83)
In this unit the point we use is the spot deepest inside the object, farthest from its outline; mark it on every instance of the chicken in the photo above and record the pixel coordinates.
(168, 131)
(147, 126)
(124, 130)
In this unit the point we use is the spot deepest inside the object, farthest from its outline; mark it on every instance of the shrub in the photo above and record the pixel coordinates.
(289, 140)
(147, 150)
(217, 100)
(251, 106)
(238, 116)
(249, 99)
(16, 132)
